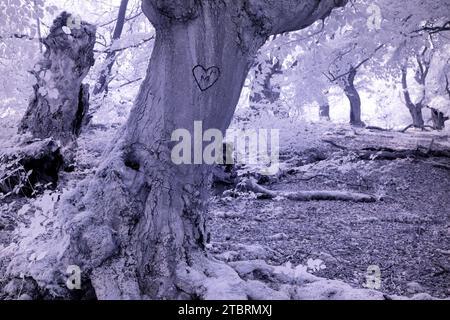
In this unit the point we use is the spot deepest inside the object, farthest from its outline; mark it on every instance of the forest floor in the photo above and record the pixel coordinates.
(406, 233)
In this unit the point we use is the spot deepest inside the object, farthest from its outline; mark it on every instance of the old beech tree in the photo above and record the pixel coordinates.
(137, 229)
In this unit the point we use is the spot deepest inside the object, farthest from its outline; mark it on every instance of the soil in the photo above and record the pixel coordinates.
(406, 233)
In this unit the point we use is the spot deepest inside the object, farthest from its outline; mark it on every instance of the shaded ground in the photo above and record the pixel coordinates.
(407, 234)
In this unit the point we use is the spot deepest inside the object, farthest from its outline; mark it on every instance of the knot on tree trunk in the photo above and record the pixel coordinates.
(60, 102)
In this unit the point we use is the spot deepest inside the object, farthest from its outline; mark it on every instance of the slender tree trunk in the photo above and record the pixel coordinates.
(60, 102)
(102, 82)
(38, 28)
(324, 112)
(139, 229)
(354, 99)
(415, 109)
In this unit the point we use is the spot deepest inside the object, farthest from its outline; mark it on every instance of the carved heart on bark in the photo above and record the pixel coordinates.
(205, 78)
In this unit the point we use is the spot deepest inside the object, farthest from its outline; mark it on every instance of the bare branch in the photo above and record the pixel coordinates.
(128, 47)
(334, 78)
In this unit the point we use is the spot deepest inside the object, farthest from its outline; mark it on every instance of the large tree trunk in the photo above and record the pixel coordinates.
(60, 103)
(139, 230)
(102, 82)
(354, 99)
(160, 207)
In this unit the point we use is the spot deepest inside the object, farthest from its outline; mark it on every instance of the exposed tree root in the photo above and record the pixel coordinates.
(255, 279)
(251, 185)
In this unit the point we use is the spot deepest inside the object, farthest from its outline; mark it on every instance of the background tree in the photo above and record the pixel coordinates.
(359, 43)
(102, 83)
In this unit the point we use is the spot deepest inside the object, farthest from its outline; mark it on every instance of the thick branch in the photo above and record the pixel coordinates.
(269, 18)
(291, 15)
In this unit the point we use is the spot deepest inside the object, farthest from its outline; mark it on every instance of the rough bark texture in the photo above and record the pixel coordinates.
(354, 99)
(102, 83)
(60, 102)
(139, 229)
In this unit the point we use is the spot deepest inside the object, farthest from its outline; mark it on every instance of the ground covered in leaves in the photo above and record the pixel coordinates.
(406, 233)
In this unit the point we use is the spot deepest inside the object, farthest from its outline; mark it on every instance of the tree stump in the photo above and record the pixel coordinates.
(438, 118)
(60, 102)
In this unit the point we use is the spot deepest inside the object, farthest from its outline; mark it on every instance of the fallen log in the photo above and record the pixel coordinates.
(393, 154)
(251, 185)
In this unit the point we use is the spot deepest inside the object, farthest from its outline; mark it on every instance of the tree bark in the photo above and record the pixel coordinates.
(139, 230)
(60, 102)
(354, 99)
(102, 82)
(415, 109)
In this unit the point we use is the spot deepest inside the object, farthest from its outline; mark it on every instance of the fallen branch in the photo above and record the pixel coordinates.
(377, 128)
(251, 185)
(392, 154)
